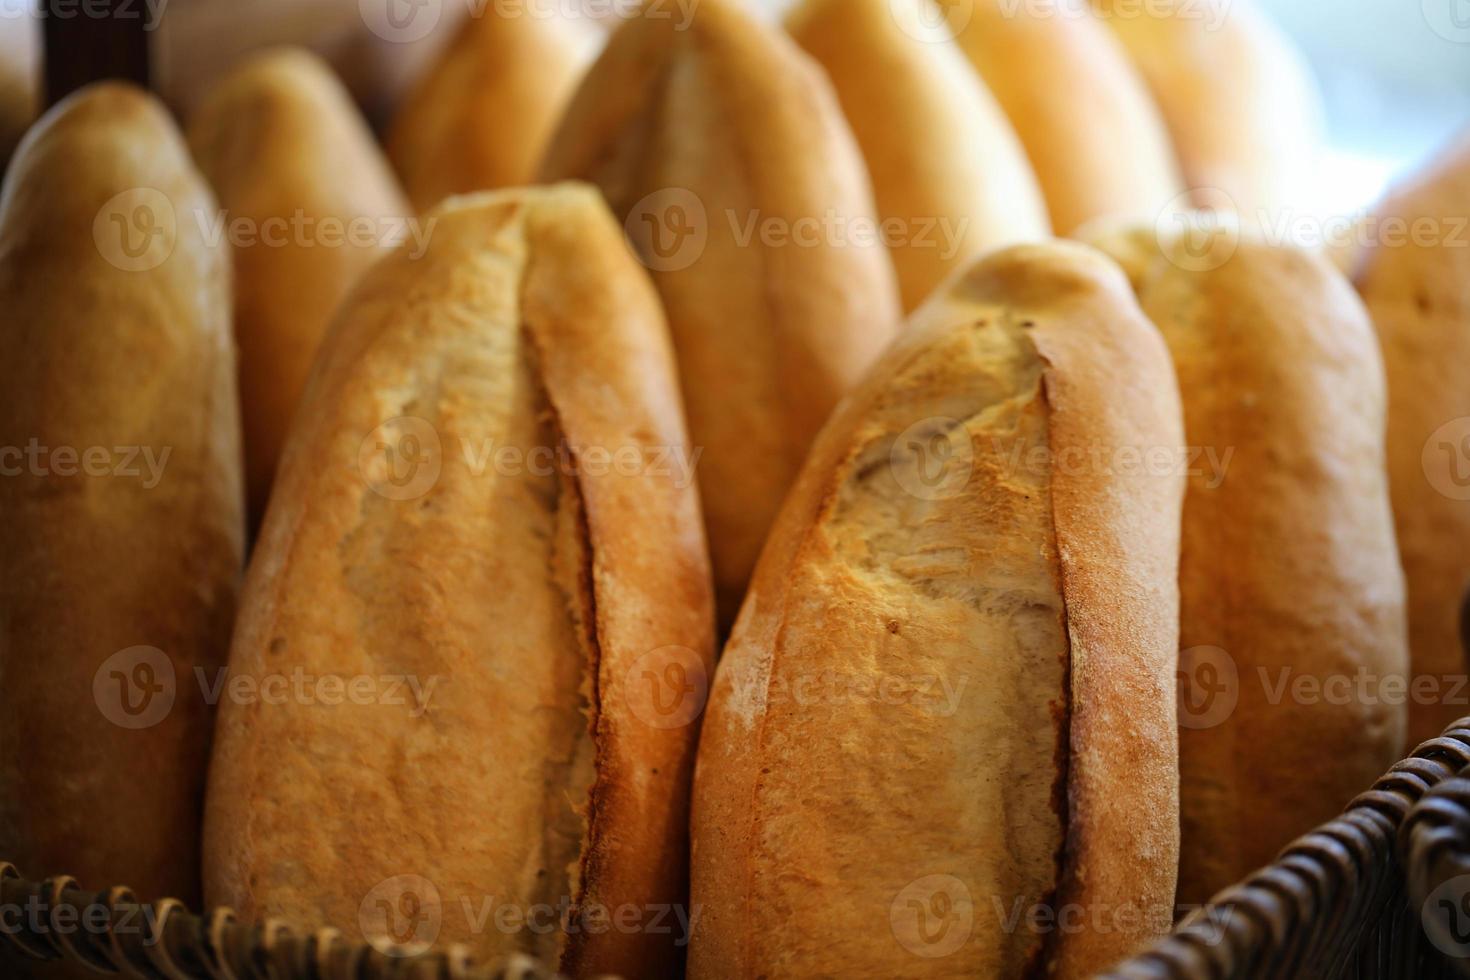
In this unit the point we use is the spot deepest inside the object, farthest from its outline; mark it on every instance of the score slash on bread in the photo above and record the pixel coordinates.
(481, 117)
(1240, 103)
(1290, 588)
(1088, 123)
(531, 603)
(1413, 283)
(287, 153)
(950, 691)
(724, 151)
(118, 565)
(947, 168)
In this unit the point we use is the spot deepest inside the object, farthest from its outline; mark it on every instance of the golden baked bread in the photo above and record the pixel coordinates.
(1088, 123)
(1292, 618)
(485, 519)
(1239, 100)
(20, 45)
(481, 116)
(949, 698)
(308, 203)
(724, 151)
(122, 542)
(1412, 275)
(950, 178)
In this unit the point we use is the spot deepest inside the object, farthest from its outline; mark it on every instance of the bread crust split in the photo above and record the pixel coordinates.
(954, 525)
(533, 601)
(948, 170)
(118, 566)
(1092, 130)
(1242, 107)
(283, 146)
(1415, 292)
(480, 118)
(1292, 599)
(724, 136)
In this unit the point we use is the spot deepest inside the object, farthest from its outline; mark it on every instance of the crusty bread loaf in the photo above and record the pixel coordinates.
(481, 116)
(1240, 103)
(484, 498)
(949, 697)
(950, 178)
(724, 151)
(1291, 618)
(1086, 118)
(308, 203)
(1412, 275)
(121, 547)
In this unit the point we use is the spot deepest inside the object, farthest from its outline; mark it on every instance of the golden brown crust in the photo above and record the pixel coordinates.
(297, 170)
(482, 115)
(117, 335)
(1241, 105)
(948, 171)
(1088, 123)
(541, 595)
(727, 128)
(1039, 590)
(1291, 597)
(1415, 292)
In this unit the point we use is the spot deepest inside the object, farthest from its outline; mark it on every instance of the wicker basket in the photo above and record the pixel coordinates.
(1337, 903)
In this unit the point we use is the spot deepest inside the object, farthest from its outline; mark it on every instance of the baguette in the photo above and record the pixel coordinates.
(1240, 103)
(724, 151)
(481, 116)
(1290, 589)
(948, 171)
(294, 164)
(1414, 287)
(1088, 123)
(118, 565)
(447, 524)
(1010, 560)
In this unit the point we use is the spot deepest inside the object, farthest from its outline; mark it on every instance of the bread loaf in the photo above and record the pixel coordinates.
(1240, 103)
(121, 547)
(485, 524)
(948, 702)
(950, 178)
(20, 81)
(724, 151)
(1292, 656)
(307, 203)
(1087, 121)
(481, 116)
(1412, 274)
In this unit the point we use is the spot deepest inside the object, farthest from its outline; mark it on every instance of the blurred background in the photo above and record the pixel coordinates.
(1395, 78)
(1395, 74)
